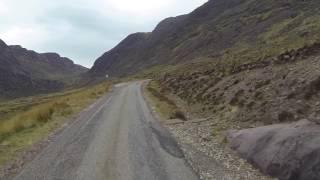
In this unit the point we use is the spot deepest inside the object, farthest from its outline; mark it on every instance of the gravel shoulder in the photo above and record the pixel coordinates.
(209, 157)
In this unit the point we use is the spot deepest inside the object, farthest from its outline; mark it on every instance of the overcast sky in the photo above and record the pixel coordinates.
(82, 29)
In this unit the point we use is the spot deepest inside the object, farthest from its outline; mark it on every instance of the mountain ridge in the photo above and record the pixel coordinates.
(25, 72)
(245, 30)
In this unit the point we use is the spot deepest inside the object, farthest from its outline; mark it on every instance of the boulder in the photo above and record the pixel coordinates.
(285, 151)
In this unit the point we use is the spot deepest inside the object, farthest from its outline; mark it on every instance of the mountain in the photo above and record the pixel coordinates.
(241, 64)
(228, 30)
(24, 72)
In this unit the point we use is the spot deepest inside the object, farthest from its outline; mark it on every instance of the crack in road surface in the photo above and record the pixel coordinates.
(116, 139)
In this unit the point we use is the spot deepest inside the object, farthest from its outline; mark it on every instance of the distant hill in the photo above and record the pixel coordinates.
(237, 30)
(24, 72)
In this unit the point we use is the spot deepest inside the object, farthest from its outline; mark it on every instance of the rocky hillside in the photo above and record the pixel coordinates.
(243, 64)
(227, 30)
(24, 72)
(278, 90)
(283, 89)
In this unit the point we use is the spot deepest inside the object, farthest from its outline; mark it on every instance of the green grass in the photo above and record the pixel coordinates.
(29, 120)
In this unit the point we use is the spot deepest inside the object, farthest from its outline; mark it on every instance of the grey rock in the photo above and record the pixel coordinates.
(286, 151)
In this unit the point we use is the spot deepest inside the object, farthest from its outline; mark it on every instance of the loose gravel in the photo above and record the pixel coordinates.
(210, 157)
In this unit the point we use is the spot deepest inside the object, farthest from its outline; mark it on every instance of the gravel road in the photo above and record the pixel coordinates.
(117, 139)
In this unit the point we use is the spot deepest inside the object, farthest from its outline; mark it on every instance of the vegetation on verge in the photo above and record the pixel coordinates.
(165, 106)
(28, 120)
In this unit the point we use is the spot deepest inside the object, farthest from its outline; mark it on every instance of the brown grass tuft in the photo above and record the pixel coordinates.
(55, 106)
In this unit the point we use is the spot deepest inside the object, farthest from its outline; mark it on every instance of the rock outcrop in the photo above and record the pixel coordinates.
(286, 151)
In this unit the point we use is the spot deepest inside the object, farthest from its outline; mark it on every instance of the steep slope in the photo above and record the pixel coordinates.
(127, 51)
(228, 30)
(241, 64)
(24, 72)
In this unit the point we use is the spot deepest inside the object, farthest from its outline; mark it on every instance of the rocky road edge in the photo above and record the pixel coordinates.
(207, 155)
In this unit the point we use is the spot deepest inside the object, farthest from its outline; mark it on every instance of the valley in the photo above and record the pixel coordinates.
(229, 91)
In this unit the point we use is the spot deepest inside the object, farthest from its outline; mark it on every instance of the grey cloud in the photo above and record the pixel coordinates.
(79, 29)
(85, 19)
(90, 34)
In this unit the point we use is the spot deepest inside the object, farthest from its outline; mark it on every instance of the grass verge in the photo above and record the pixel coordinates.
(28, 120)
(165, 106)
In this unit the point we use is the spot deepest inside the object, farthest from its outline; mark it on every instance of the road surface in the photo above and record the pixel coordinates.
(115, 139)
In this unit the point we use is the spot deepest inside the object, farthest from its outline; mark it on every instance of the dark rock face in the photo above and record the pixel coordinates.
(63, 63)
(3, 45)
(286, 151)
(24, 72)
(129, 47)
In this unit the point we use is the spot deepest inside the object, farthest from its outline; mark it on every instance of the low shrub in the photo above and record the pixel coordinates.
(178, 115)
(164, 105)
